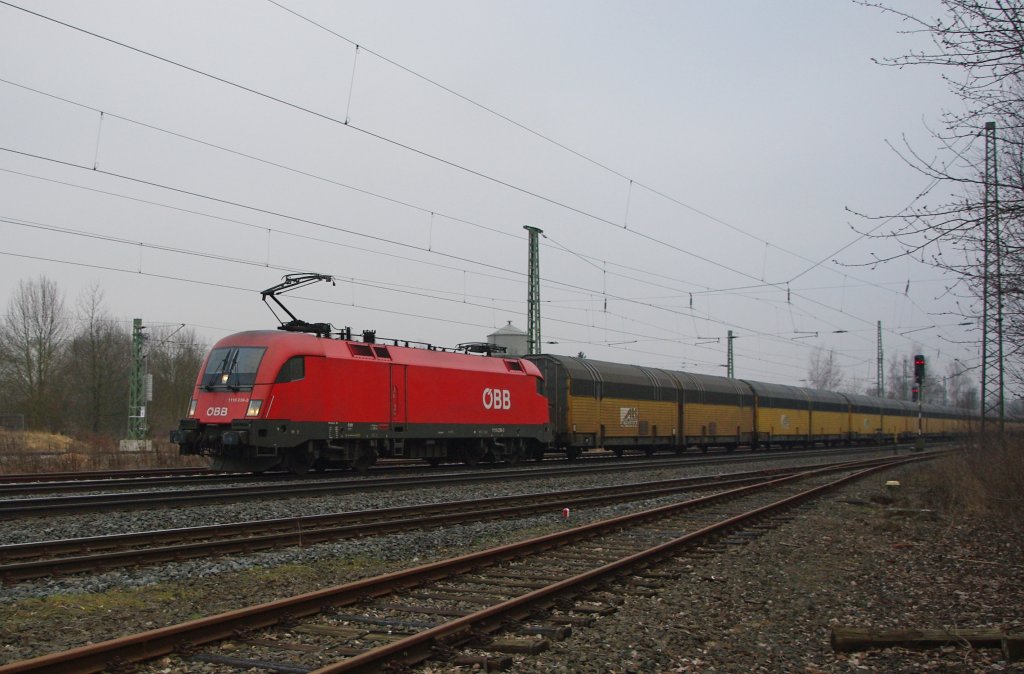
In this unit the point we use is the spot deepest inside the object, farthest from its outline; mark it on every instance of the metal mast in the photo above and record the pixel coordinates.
(137, 386)
(730, 372)
(879, 377)
(533, 295)
(992, 303)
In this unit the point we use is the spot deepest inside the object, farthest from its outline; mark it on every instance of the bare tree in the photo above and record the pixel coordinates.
(174, 358)
(896, 380)
(32, 339)
(99, 362)
(958, 387)
(823, 372)
(979, 46)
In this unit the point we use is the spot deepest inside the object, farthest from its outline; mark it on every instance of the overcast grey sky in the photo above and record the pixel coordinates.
(704, 158)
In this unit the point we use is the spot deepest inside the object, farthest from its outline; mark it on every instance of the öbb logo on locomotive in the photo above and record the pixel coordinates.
(497, 399)
(216, 411)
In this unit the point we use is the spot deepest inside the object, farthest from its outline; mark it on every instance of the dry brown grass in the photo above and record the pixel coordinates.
(36, 452)
(985, 478)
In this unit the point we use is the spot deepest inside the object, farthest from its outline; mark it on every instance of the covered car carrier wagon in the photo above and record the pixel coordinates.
(599, 404)
(716, 411)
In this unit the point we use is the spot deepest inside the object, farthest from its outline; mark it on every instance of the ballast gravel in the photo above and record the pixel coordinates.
(765, 606)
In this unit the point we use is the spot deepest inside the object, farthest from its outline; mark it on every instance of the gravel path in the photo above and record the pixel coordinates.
(766, 606)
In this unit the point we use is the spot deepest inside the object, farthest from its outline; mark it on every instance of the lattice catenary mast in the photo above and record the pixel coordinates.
(730, 370)
(992, 385)
(137, 397)
(533, 295)
(879, 380)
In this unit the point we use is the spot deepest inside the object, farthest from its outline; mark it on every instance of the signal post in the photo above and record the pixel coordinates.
(919, 395)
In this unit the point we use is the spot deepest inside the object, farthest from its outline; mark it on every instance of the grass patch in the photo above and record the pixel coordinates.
(57, 607)
(39, 452)
(985, 478)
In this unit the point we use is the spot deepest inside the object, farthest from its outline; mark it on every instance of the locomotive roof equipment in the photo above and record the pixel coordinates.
(293, 282)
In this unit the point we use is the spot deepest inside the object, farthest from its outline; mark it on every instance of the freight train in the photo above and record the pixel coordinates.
(268, 400)
(303, 397)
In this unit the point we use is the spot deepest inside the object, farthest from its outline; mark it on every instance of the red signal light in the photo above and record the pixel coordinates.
(919, 368)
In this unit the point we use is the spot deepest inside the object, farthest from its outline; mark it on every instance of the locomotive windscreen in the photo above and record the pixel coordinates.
(232, 367)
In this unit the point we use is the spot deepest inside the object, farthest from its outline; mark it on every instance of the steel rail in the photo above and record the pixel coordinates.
(17, 485)
(161, 641)
(24, 561)
(130, 473)
(52, 505)
(418, 647)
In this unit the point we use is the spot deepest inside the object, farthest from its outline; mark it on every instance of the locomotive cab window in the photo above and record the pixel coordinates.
(293, 369)
(232, 367)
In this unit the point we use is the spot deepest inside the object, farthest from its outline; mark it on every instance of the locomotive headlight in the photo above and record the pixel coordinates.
(254, 408)
(192, 408)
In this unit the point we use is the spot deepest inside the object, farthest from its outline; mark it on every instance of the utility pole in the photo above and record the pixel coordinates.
(533, 294)
(730, 371)
(992, 385)
(137, 389)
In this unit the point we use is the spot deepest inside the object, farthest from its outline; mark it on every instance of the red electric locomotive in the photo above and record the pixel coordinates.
(294, 401)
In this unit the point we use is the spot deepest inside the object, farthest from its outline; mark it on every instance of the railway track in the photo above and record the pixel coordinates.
(67, 476)
(164, 494)
(25, 484)
(25, 561)
(513, 598)
(65, 482)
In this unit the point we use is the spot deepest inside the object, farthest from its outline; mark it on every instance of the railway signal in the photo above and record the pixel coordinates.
(919, 368)
(919, 398)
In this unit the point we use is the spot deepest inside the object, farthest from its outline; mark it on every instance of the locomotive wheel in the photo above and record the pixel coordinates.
(572, 453)
(299, 460)
(363, 463)
(514, 452)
